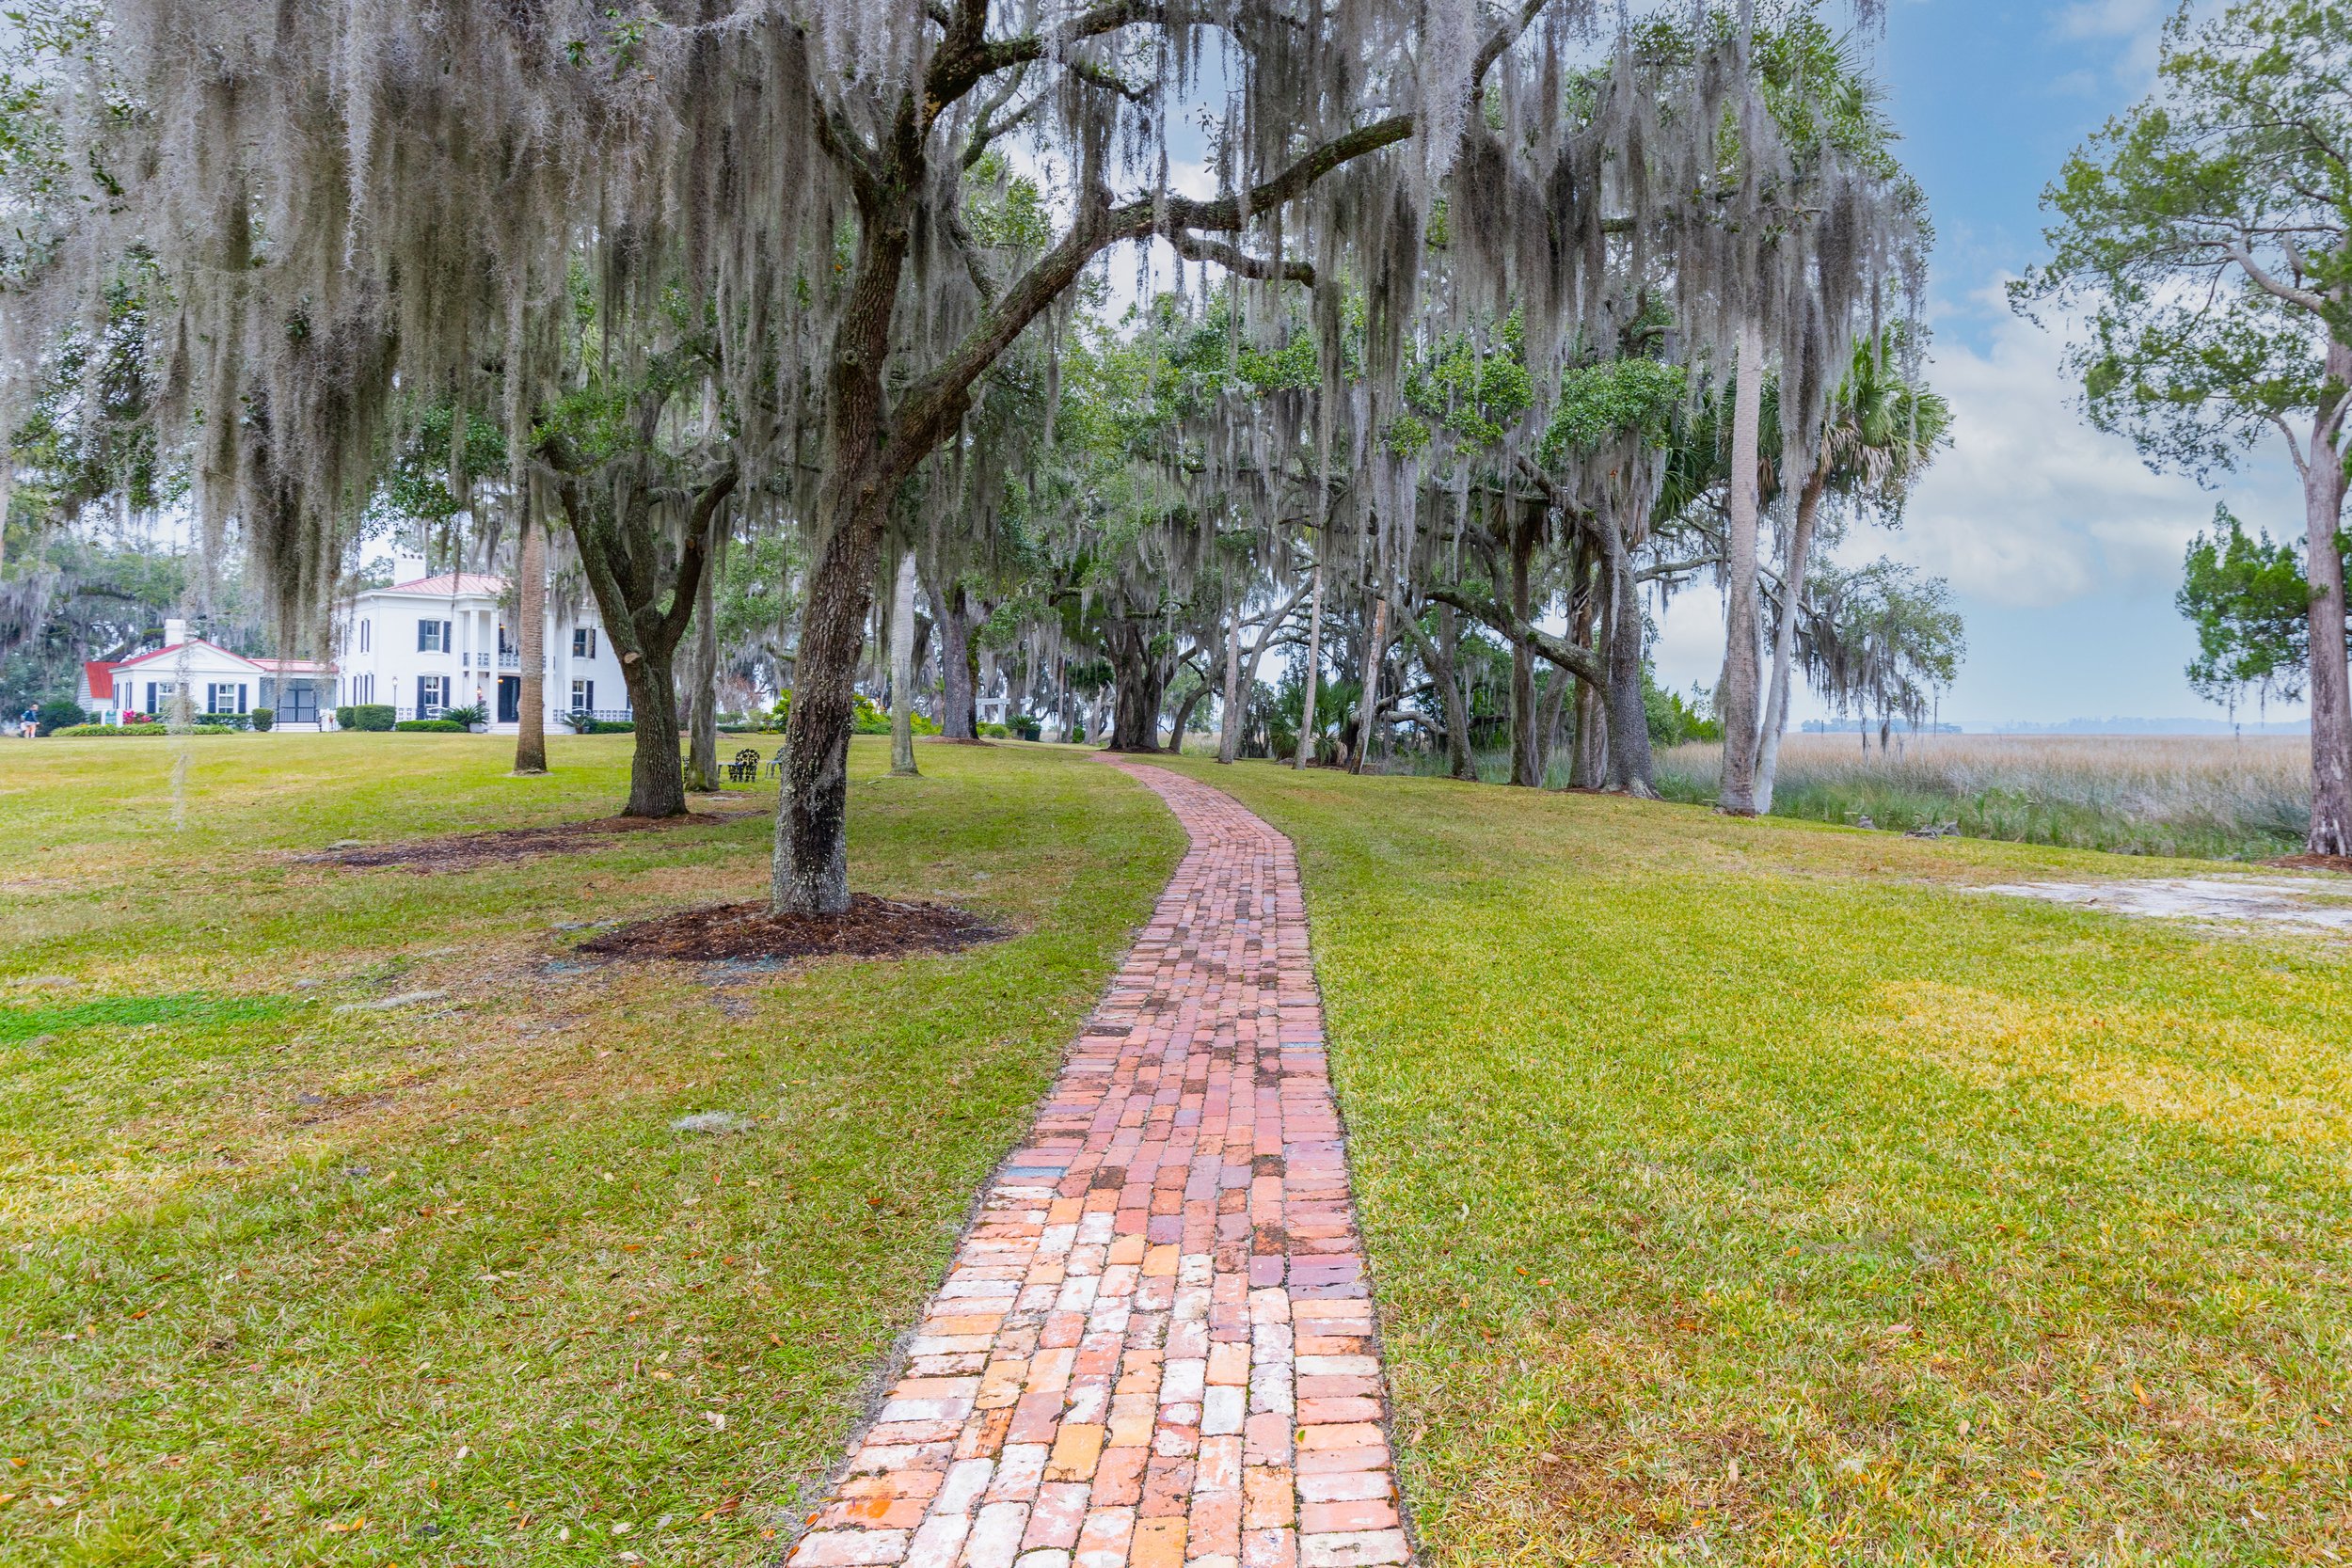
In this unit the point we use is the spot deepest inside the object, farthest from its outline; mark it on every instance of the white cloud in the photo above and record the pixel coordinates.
(2112, 19)
(2032, 507)
(2137, 26)
(2031, 510)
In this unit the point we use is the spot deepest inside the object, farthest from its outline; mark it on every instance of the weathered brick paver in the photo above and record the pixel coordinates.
(1155, 1345)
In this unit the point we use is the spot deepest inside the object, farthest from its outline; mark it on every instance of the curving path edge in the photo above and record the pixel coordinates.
(1154, 1347)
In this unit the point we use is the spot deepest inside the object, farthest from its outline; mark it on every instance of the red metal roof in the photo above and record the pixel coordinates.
(154, 653)
(102, 675)
(451, 585)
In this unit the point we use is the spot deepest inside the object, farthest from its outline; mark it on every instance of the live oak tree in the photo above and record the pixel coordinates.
(351, 201)
(642, 485)
(2249, 599)
(1880, 640)
(360, 208)
(2207, 236)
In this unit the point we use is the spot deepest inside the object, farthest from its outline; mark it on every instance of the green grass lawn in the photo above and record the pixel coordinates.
(1745, 1192)
(1741, 1192)
(281, 1283)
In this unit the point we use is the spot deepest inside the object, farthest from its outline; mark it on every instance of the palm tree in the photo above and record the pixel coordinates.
(1881, 431)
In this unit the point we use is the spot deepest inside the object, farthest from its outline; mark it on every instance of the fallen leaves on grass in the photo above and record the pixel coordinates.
(2313, 863)
(873, 928)
(461, 851)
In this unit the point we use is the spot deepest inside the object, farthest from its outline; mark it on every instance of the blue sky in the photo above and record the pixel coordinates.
(2063, 550)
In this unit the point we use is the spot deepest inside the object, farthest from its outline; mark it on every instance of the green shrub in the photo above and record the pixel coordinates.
(472, 714)
(224, 721)
(264, 718)
(59, 715)
(1027, 726)
(365, 716)
(994, 732)
(869, 719)
(582, 723)
(429, 726)
(92, 732)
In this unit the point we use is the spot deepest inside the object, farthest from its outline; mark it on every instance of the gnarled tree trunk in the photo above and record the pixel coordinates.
(656, 774)
(1527, 761)
(620, 548)
(1441, 654)
(811, 869)
(1629, 764)
(1461, 762)
(951, 608)
(1185, 710)
(1139, 687)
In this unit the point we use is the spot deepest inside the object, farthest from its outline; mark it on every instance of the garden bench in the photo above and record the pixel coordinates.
(775, 763)
(745, 767)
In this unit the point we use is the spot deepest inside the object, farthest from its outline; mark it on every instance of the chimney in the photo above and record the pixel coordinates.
(407, 567)
(175, 632)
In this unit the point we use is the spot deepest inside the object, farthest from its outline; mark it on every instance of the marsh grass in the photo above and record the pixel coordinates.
(2205, 797)
(1752, 1192)
(2215, 797)
(282, 1283)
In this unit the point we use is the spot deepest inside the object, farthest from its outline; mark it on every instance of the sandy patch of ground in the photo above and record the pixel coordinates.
(2305, 902)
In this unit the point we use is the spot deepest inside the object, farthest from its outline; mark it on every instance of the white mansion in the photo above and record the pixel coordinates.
(423, 645)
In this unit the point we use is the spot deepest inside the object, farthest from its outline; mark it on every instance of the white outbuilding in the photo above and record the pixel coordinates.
(217, 681)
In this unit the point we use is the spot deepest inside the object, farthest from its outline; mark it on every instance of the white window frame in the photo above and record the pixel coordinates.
(584, 641)
(432, 707)
(433, 636)
(583, 696)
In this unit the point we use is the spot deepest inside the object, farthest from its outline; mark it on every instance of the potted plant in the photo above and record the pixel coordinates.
(473, 716)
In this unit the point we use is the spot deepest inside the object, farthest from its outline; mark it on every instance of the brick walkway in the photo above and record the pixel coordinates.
(1154, 1347)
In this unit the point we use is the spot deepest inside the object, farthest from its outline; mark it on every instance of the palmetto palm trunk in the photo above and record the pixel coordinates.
(902, 670)
(1784, 634)
(1739, 705)
(1314, 663)
(530, 641)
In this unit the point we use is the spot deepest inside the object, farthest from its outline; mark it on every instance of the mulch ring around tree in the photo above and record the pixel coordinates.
(462, 850)
(2314, 862)
(872, 928)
